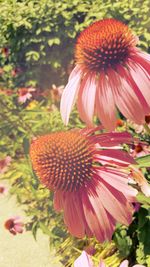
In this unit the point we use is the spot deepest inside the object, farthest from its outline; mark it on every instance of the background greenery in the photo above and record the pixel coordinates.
(41, 34)
(37, 41)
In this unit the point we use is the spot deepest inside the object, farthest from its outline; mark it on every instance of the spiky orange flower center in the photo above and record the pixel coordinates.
(62, 160)
(103, 45)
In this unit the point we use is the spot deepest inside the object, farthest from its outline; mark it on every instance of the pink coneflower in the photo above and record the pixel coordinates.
(14, 225)
(110, 72)
(4, 163)
(25, 94)
(84, 260)
(85, 171)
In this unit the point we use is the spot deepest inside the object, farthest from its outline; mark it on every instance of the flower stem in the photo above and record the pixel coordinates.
(147, 129)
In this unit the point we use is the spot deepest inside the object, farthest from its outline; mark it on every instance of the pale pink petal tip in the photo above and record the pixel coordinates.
(102, 264)
(83, 261)
(125, 263)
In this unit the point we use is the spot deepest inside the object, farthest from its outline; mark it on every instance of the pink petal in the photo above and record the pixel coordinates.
(124, 264)
(105, 106)
(86, 98)
(108, 156)
(113, 139)
(102, 264)
(83, 261)
(118, 180)
(73, 214)
(69, 95)
(141, 58)
(58, 200)
(115, 203)
(125, 98)
(18, 228)
(98, 220)
(142, 81)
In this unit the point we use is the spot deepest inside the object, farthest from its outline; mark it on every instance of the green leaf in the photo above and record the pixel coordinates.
(26, 146)
(144, 161)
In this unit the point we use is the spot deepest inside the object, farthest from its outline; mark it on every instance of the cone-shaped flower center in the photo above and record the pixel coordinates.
(104, 44)
(62, 160)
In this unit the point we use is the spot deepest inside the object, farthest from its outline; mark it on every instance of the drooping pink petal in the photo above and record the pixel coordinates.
(86, 98)
(112, 139)
(125, 98)
(105, 106)
(118, 180)
(121, 158)
(58, 200)
(142, 80)
(83, 260)
(98, 220)
(141, 58)
(73, 215)
(73, 212)
(91, 217)
(69, 95)
(116, 204)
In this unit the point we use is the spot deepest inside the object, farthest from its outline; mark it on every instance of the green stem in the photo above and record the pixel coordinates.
(147, 129)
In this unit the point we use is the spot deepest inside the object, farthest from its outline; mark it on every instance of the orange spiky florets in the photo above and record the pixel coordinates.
(62, 160)
(104, 44)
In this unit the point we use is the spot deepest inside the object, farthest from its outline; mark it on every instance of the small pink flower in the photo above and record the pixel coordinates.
(4, 163)
(25, 94)
(110, 72)
(140, 150)
(14, 225)
(84, 260)
(85, 171)
(5, 51)
(3, 189)
(15, 72)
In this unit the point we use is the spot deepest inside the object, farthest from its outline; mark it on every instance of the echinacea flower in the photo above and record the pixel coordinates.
(85, 171)
(84, 260)
(14, 225)
(110, 72)
(25, 94)
(4, 163)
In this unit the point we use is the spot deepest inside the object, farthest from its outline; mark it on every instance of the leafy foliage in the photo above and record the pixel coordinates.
(36, 31)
